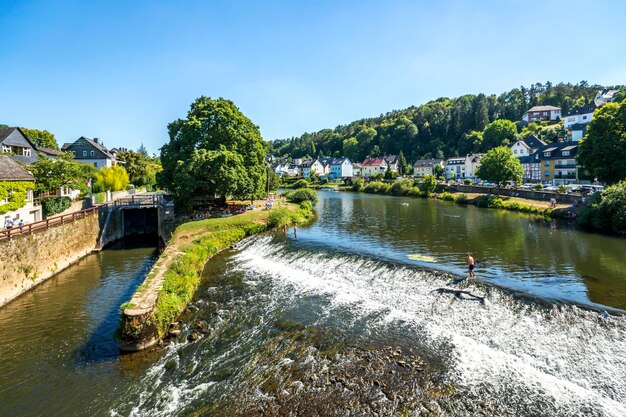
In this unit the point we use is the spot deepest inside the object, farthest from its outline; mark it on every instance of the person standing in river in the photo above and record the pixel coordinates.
(470, 265)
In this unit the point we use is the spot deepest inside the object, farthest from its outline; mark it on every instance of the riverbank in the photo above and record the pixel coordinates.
(173, 280)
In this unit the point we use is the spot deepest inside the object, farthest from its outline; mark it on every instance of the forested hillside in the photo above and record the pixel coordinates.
(441, 128)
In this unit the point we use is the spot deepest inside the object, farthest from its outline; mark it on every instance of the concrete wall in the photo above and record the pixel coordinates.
(29, 260)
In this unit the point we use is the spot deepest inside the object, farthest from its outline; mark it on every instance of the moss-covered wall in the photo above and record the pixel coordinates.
(29, 260)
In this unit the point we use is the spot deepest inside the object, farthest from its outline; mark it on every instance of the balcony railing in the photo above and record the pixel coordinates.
(566, 176)
(565, 166)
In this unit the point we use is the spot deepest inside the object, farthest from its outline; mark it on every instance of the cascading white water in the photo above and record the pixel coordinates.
(559, 361)
(525, 359)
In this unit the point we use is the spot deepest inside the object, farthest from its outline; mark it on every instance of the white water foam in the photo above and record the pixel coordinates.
(562, 361)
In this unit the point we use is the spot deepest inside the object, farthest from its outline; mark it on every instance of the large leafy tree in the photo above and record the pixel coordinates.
(215, 151)
(499, 133)
(603, 150)
(499, 165)
(141, 169)
(41, 138)
(51, 175)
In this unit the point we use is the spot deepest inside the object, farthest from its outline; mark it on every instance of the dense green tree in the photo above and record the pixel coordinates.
(404, 168)
(215, 151)
(606, 212)
(351, 149)
(428, 184)
(52, 175)
(438, 171)
(499, 133)
(114, 178)
(142, 150)
(141, 169)
(602, 152)
(41, 138)
(444, 125)
(499, 166)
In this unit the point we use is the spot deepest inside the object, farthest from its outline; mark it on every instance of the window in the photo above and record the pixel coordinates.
(546, 154)
(515, 151)
(6, 149)
(26, 151)
(84, 152)
(92, 153)
(547, 173)
(547, 163)
(74, 154)
(29, 195)
(545, 113)
(584, 117)
(565, 153)
(95, 164)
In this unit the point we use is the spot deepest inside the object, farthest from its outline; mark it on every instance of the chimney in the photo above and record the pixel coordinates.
(96, 139)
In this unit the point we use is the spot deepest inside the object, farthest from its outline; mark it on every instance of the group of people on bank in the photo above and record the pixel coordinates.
(10, 223)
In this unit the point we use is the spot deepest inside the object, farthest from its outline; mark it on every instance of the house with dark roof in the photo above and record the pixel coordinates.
(423, 167)
(534, 142)
(557, 163)
(538, 113)
(14, 143)
(48, 152)
(29, 213)
(392, 162)
(605, 96)
(340, 168)
(311, 166)
(90, 151)
(576, 119)
(455, 167)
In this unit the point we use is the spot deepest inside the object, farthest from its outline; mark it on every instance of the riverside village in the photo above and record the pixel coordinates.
(184, 233)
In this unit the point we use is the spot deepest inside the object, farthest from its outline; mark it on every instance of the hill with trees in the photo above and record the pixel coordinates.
(442, 128)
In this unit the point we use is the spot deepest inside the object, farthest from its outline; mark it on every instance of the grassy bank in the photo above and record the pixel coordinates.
(410, 188)
(172, 282)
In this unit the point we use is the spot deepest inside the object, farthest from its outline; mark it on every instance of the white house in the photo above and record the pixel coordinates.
(340, 168)
(373, 166)
(293, 170)
(357, 169)
(537, 113)
(423, 167)
(455, 167)
(520, 149)
(392, 161)
(605, 96)
(472, 163)
(579, 115)
(29, 212)
(311, 166)
(280, 168)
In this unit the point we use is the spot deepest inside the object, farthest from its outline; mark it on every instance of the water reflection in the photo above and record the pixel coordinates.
(517, 251)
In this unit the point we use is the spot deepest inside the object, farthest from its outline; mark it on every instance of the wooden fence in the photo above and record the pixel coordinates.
(42, 225)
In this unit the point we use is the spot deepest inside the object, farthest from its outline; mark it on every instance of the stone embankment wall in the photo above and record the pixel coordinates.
(529, 194)
(29, 260)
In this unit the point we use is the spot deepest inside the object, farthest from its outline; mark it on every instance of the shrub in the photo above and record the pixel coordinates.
(357, 185)
(279, 217)
(324, 180)
(461, 199)
(414, 192)
(300, 184)
(54, 205)
(376, 187)
(446, 196)
(606, 212)
(401, 187)
(303, 194)
(562, 189)
(468, 182)
(538, 187)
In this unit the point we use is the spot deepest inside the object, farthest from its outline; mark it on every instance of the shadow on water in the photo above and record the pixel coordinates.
(101, 345)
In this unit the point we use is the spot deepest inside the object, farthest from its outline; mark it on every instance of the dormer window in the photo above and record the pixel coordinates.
(547, 154)
(6, 149)
(565, 153)
(84, 152)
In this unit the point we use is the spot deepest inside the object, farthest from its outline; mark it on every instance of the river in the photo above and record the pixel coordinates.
(361, 279)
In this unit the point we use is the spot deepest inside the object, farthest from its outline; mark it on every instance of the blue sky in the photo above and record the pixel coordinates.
(122, 70)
